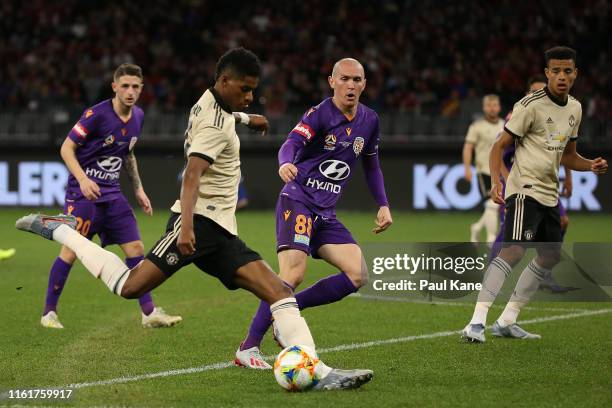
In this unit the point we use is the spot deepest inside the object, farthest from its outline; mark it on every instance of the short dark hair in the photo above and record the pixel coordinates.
(561, 53)
(534, 79)
(240, 61)
(127, 69)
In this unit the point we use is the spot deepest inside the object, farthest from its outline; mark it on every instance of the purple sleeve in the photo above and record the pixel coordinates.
(289, 149)
(83, 128)
(374, 179)
(300, 135)
(308, 126)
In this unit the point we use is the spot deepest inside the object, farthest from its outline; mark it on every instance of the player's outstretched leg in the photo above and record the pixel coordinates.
(289, 326)
(102, 264)
(494, 278)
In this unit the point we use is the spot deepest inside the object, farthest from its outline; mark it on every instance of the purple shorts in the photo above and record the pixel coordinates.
(298, 227)
(113, 220)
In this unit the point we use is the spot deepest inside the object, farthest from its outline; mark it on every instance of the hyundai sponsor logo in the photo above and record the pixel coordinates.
(335, 169)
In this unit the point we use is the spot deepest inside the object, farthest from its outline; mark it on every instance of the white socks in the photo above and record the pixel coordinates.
(291, 329)
(289, 326)
(526, 286)
(101, 263)
(491, 285)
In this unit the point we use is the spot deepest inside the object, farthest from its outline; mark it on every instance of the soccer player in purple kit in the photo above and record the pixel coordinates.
(316, 162)
(96, 149)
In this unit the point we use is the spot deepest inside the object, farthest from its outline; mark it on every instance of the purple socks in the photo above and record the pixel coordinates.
(57, 278)
(327, 290)
(146, 300)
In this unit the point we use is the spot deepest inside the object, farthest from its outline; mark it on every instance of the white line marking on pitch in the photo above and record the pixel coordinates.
(342, 347)
(464, 304)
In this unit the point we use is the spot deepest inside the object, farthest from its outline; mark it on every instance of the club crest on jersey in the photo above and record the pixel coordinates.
(70, 209)
(286, 214)
(572, 120)
(109, 140)
(330, 142)
(358, 145)
(172, 258)
(123, 131)
(348, 131)
(88, 113)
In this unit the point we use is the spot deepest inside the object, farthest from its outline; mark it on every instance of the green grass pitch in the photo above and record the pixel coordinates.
(571, 366)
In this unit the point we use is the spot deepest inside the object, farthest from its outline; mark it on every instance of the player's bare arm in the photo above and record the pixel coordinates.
(495, 163)
(89, 188)
(189, 195)
(468, 151)
(131, 169)
(573, 160)
(505, 173)
(253, 121)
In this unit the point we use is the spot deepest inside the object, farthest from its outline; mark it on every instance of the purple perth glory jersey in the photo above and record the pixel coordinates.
(104, 141)
(332, 145)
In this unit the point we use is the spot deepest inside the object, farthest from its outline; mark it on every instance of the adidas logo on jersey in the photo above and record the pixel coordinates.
(549, 121)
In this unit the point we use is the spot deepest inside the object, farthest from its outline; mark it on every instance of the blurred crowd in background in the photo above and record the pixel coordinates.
(425, 57)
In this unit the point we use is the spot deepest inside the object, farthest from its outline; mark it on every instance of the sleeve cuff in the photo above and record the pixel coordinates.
(79, 141)
(511, 133)
(202, 156)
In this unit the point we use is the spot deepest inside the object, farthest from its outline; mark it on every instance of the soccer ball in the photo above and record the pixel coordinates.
(297, 368)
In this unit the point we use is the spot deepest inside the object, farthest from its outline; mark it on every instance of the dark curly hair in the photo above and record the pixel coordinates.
(240, 62)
